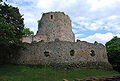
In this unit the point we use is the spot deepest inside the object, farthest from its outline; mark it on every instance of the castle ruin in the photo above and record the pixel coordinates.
(54, 45)
(53, 25)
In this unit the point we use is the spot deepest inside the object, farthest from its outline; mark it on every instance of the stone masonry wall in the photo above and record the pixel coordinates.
(61, 52)
(35, 38)
(54, 45)
(56, 25)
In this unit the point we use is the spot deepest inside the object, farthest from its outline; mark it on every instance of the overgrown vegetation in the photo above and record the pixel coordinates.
(25, 73)
(11, 31)
(113, 49)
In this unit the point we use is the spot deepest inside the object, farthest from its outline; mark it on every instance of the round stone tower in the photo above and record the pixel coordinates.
(55, 25)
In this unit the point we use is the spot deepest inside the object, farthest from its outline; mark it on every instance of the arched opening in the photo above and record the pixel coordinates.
(72, 52)
(92, 53)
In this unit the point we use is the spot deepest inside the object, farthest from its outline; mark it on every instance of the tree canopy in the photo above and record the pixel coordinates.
(113, 49)
(27, 32)
(11, 25)
(11, 31)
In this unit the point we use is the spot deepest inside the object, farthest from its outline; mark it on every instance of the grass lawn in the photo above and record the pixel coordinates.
(25, 73)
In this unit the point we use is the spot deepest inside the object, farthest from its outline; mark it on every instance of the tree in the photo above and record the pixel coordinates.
(11, 30)
(27, 32)
(113, 49)
(11, 25)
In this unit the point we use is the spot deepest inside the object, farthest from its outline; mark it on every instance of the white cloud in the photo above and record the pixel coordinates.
(101, 38)
(77, 10)
(93, 26)
(53, 5)
(86, 15)
(74, 31)
(113, 17)
(77, 36)
(86, 24)
(101, 4)
(110, 23)
(45, 4)
(29, 20)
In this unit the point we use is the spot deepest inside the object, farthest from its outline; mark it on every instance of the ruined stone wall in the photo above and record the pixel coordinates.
(56, 25)
(28, 39)
(54, 45)
(35, 38)
(61, 52)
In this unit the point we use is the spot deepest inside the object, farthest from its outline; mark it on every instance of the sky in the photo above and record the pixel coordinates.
(92, 20)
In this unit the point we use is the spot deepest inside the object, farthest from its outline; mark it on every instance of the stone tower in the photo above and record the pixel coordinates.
(55, 25)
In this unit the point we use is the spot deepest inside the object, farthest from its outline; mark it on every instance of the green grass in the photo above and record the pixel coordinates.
(25, 73)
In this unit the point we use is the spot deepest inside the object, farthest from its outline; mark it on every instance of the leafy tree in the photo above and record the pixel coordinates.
(113, 49)
(27, 32)
(11, 30)
(11, 25)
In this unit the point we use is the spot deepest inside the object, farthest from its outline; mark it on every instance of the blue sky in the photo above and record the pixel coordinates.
(92, 20)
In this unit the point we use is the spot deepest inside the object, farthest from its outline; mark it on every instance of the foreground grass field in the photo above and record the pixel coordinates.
(25, 73)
